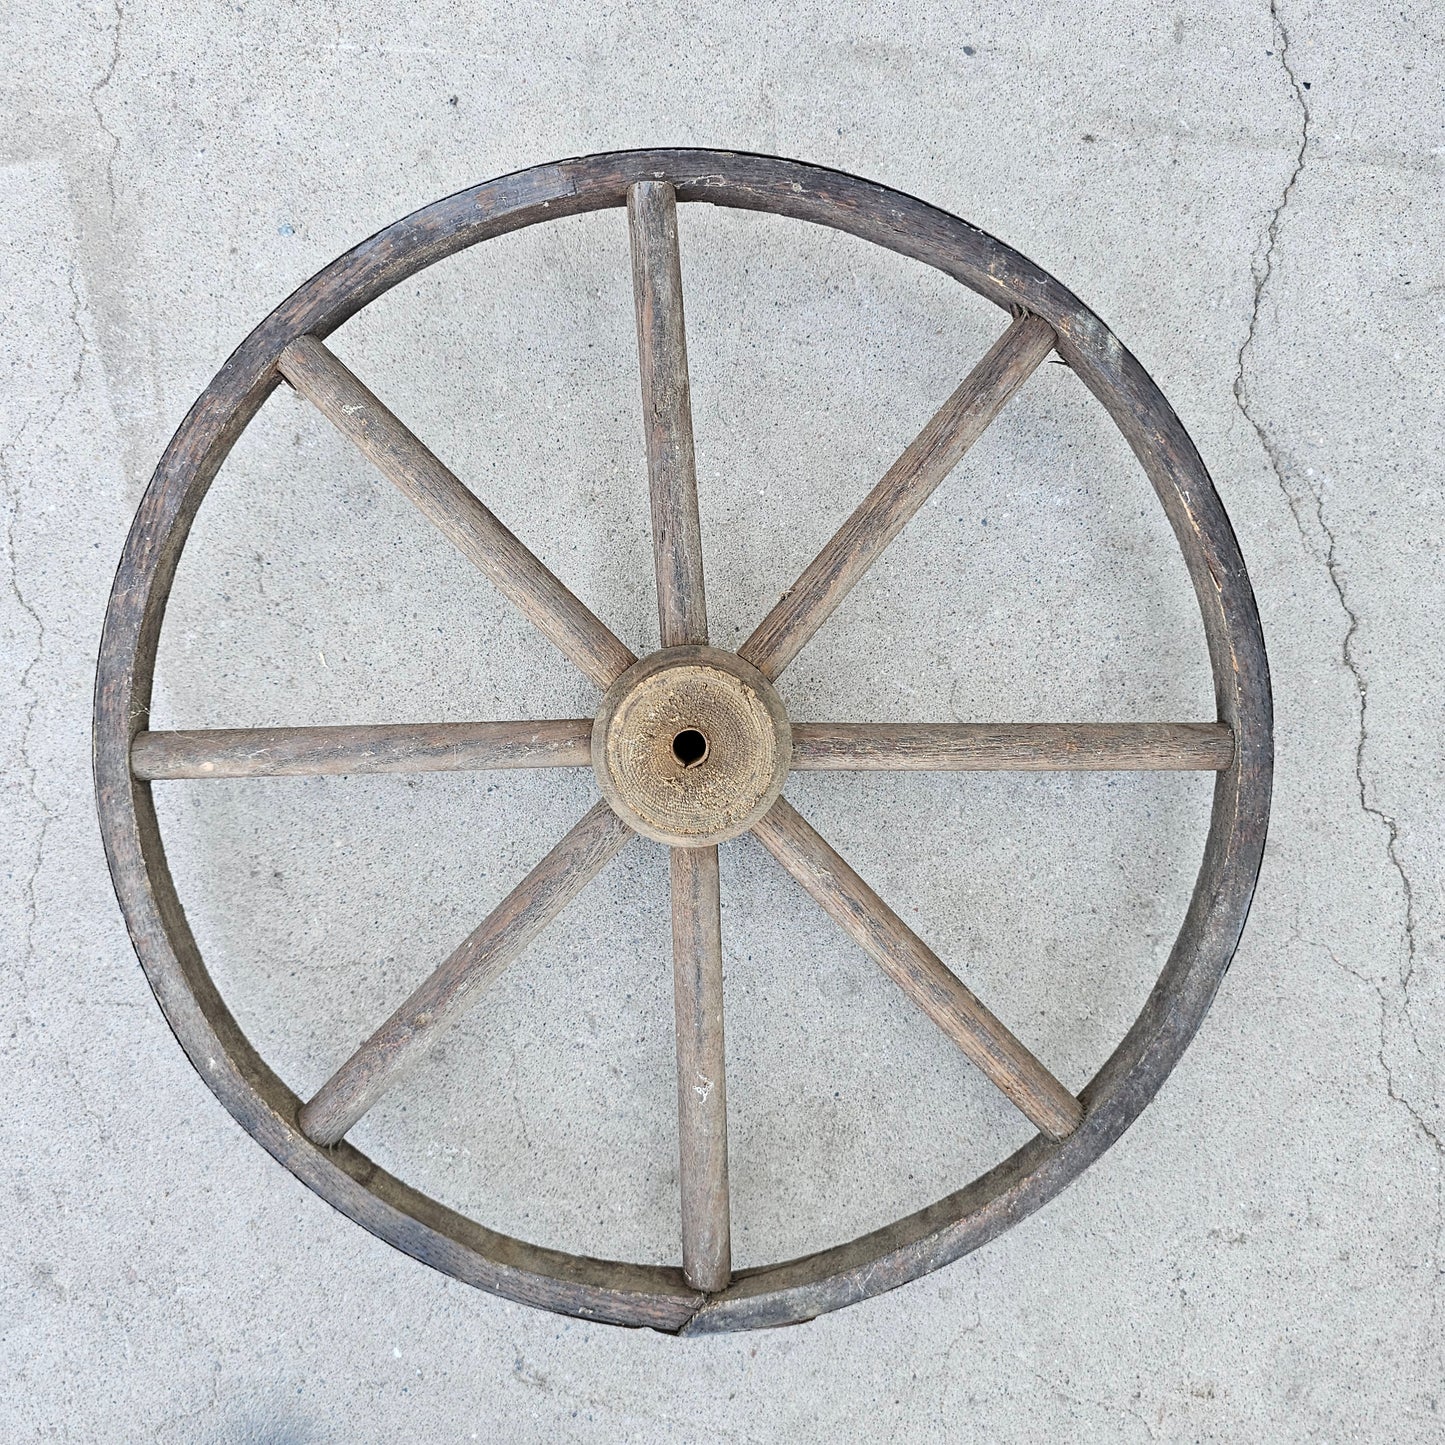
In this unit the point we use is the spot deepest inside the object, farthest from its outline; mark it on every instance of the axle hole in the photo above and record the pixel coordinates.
(689, 747)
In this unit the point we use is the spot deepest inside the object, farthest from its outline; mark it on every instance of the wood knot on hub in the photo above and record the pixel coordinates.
(691, 746)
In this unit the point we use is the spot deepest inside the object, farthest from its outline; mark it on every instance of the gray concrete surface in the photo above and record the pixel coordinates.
(1251, 195)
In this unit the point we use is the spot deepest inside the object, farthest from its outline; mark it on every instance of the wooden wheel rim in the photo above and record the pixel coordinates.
(659, 1296)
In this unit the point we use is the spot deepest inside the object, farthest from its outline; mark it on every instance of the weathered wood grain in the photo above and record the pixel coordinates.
(1011, 747)
(916, 969)
(364, 748)
(652, 1295)
(702, 1103)
(741, 717)
(398, 1045)
(455, 512)
(906, 485)
(667, 412)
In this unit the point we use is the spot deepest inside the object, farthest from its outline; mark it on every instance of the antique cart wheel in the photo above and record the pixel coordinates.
(690, 746)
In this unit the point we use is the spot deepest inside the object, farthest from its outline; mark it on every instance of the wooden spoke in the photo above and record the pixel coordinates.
(377, 748)
(402, 1040)
(1011, 747)
(515, 571)
(667, 412)
(907, 484)
(702, 1123)
(921, 974)
(702, 1106)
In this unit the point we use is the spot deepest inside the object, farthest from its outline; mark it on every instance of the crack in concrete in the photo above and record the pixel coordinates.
(11, 488)
(1370, 809)
(27, 771)
(1397, 1096)
(95, 93)
(1312, 497)
(1298, 935)
(1086, 1402)
(1262, 268)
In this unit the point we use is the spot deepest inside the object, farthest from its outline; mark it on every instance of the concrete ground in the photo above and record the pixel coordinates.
(1251, 196)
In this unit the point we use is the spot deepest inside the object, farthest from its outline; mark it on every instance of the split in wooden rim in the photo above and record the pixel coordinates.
(307, 1136)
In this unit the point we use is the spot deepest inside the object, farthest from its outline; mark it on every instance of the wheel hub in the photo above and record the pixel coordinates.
(691, 746)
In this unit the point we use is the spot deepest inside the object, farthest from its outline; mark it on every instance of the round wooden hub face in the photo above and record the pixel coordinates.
(691, 746)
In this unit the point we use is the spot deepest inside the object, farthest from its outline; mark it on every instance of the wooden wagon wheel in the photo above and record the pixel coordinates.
(690, 746)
